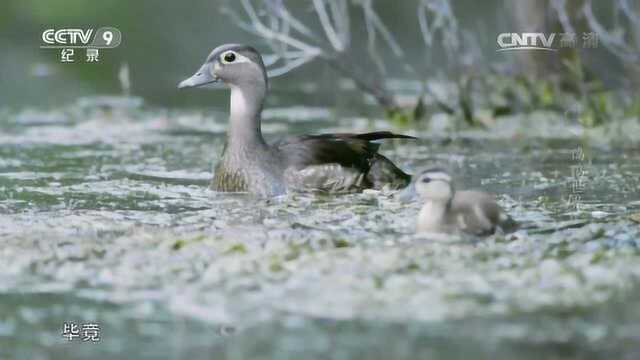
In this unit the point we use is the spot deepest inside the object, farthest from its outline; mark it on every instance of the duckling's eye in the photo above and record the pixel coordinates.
(229, 57)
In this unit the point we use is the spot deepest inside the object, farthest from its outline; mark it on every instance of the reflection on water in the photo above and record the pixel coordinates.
(106, 217)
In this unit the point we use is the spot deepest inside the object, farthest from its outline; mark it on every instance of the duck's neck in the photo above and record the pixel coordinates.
(436, 209)
(433, 215)
(244, 117)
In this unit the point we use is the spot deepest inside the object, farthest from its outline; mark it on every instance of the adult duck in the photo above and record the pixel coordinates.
(329, 162)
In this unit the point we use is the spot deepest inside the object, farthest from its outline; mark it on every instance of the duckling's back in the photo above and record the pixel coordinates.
(478, 213)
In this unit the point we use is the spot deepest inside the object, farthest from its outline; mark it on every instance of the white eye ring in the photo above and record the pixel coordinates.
(228, 57)
(232, 57)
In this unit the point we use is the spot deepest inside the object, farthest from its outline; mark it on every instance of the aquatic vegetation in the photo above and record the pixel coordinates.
(123, 218)
(106, 215)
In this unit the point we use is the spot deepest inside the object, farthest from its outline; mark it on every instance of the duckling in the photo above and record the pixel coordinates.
(330, 162)
(453, 212)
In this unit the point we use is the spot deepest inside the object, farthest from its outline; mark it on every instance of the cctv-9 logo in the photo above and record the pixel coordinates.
(107, 37)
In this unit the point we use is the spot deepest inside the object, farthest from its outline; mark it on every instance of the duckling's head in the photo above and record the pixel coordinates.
(434, 185)
(234, 64)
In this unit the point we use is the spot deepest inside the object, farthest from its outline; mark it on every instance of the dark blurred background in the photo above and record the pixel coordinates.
(165, 41)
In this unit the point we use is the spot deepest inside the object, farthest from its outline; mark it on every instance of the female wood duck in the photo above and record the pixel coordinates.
(453, 212)
(331, 162)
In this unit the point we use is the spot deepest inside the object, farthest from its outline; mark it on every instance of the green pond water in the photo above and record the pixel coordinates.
(105, 217)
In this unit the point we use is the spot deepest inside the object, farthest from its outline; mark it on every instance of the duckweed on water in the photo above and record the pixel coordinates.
(237, 248)
(152, 246)
(340, 243)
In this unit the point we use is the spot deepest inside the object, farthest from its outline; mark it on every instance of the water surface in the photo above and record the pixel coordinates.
(105, 216)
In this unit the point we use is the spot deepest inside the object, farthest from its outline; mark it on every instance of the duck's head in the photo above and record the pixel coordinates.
(234, 64)
(433, 184)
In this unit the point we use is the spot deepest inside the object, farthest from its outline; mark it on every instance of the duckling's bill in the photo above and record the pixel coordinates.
(408, 194)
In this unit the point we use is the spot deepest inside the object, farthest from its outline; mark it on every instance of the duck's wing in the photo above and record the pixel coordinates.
(339, 162)
(478, 213)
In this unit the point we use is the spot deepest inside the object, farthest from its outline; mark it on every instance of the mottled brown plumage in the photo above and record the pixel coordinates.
(228, 181)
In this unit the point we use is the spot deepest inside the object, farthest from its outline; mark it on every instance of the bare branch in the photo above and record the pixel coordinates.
(560, 6)
(371, 43)
(268, 33)
(288, 66)
(278, 8)
(340, 12)
(328, 28)
(444, 22)
(613, 40)
(377, 24)
(293, 43)
(427, 35)
(237, 20)
(631, 14)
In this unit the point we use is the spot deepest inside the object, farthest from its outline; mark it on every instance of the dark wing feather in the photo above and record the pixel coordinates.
(371, 136)
(307, 150)
(355, 151)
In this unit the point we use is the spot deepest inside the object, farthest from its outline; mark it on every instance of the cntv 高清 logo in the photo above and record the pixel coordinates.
(526, 41)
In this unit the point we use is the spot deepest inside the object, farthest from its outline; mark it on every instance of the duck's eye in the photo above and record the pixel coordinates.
(229, 57)
(426, 180)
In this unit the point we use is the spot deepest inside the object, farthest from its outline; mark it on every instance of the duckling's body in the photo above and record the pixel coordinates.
(472, 212)
(331, 162)
(451, 212)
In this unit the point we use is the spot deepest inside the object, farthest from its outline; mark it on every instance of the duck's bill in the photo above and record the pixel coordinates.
(201, 77)
(408, 194)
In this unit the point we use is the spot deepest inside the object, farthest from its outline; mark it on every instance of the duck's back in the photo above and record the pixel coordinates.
(338, 162)
(478, 213)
